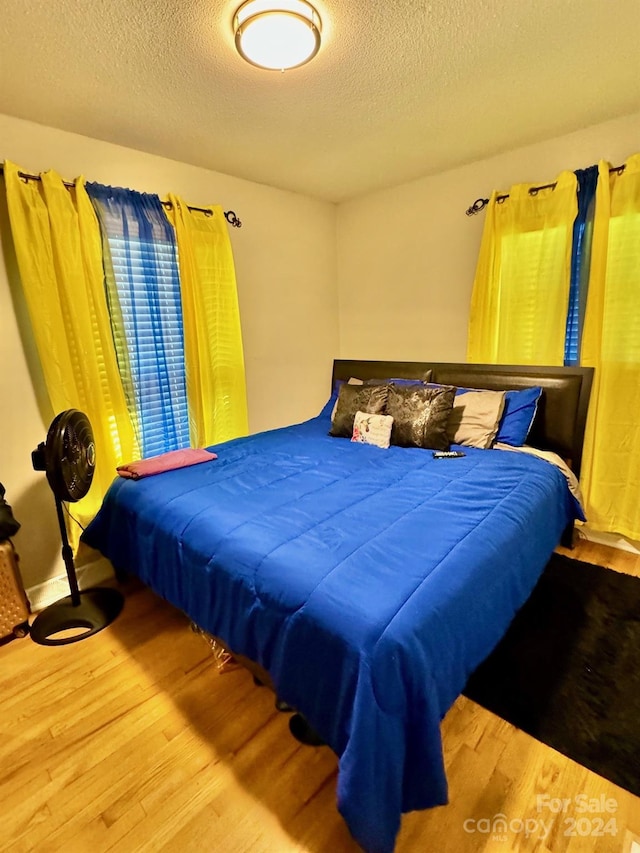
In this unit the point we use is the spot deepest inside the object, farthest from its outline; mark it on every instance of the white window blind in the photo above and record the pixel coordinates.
(150, 337)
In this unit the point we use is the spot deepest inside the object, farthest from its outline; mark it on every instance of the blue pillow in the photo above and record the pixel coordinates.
(520, 409)
(328, 406)
(396, 382)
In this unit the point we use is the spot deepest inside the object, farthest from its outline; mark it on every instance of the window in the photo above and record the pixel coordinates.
(143, 293)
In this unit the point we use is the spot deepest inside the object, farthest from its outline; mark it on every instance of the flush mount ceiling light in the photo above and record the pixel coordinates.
(277, 34)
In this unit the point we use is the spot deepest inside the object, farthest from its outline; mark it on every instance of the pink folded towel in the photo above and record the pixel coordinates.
(165, 462)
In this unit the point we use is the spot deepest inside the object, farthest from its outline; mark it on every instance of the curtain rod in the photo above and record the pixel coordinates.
(480, 203)
(229, 215)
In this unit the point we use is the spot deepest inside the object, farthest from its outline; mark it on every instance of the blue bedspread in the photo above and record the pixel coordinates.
(368, 582)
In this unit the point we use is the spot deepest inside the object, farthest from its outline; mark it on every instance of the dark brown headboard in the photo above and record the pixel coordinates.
(562, 411)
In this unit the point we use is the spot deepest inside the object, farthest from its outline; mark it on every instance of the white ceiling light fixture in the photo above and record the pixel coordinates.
(277, 34)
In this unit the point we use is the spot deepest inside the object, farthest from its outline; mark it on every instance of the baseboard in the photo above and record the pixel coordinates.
(613, 540)
(631, 843)
(43, 594)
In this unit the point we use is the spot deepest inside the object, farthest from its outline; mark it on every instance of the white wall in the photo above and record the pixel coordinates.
(407, 256)
(286, 272)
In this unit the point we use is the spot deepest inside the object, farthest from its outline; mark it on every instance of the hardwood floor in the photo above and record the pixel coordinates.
(132, 741)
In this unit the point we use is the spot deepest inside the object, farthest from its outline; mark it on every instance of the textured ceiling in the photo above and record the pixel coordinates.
(400, 88)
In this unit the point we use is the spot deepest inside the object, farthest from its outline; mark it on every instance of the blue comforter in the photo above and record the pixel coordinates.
(369, 583)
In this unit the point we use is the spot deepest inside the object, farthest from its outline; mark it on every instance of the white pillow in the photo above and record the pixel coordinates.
(372, 429)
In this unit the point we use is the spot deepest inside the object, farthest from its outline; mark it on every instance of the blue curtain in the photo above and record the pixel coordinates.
(580, 262)
(143, 293)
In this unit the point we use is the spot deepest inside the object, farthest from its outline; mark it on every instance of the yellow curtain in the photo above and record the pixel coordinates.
(59, 253)
(611, 344)
(521, 288)
(214, 359)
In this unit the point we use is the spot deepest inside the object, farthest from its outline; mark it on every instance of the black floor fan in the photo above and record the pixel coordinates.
(69, 458)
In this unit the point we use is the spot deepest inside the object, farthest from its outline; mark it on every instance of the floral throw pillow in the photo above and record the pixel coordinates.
(372, 429)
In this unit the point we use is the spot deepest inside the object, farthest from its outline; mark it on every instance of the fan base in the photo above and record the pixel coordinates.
(98, 607)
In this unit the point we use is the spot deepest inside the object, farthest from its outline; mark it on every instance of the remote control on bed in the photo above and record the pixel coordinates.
(447, 454)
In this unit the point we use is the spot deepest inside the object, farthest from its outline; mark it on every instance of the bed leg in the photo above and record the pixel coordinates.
(566, 540)
(122, 575)
(302, 731)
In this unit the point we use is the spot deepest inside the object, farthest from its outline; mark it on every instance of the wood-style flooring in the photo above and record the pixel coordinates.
(132, 741)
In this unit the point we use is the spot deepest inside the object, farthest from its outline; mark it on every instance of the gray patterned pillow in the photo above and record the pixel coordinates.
(475, 417)
(420, 415)
(354, 398)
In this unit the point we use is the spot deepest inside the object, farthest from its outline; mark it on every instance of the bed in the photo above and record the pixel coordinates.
(368, 583)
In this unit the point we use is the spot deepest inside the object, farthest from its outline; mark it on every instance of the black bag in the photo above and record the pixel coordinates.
(8, 525)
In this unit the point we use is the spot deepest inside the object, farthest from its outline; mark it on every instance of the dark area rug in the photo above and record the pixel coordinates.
(568, 669)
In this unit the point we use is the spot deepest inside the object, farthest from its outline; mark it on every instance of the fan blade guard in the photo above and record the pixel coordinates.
(70, 455)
